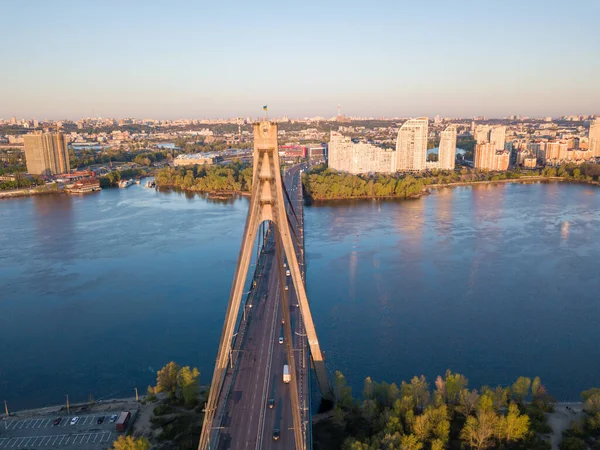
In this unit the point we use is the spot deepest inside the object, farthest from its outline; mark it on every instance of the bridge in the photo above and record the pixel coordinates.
(269, 329)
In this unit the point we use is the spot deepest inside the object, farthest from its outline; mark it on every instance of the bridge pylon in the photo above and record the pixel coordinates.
(266, 204)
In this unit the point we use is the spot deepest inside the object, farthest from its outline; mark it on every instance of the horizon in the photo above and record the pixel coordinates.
(71, 60)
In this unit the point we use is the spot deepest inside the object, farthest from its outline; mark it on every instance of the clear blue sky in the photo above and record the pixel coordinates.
(200, 59)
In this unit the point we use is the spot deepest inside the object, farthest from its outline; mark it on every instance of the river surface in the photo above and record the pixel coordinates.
(493, 281)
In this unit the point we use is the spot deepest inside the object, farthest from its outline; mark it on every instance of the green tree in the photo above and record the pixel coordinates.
(520, 389)
(166, 378)
(514, 426)
(572, 443)
(188, 384)
(131, 443)
(454, 382)
(410, 442)
(342, 392)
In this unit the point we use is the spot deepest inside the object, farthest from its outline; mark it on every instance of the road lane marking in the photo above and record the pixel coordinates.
(61, 439)
(53, 442)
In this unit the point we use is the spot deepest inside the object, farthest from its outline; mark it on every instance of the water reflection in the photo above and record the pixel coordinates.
(54, 225)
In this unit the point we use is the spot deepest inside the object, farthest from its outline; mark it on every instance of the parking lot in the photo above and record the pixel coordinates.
(41, 432)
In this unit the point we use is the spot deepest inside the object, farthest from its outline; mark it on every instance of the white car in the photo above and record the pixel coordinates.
(286, 288)
(281, 339)
(74, 420)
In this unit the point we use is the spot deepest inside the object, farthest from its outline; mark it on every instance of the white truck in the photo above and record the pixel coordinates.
(286, 374)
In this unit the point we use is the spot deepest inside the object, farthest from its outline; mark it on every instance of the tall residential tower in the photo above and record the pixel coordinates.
(447, 152)
(411, 146)
(594, 142)
(46, 153)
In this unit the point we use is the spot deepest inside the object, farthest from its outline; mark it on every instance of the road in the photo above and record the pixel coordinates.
(244, 414)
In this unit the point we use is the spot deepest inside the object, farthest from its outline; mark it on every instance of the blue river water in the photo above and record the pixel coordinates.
(493, 281)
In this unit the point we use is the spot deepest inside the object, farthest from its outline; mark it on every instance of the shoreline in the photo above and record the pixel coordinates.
(29, 192)
(425, 191)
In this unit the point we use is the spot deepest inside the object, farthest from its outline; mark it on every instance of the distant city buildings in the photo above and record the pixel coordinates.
(355, 158)
(46, 153)
(490, 152)
(411, 146)
(410, 155)
(192, 159)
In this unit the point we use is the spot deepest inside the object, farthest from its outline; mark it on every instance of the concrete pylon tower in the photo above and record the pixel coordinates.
(266, 203)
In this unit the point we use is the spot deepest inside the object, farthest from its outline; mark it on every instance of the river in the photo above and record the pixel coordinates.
(493, 281)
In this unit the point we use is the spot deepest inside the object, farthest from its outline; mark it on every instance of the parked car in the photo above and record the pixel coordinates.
(100, 420)
(113, 418)
(74, 420)
(56, 421)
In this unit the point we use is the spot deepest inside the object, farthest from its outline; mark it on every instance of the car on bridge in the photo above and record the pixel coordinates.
(276, 434)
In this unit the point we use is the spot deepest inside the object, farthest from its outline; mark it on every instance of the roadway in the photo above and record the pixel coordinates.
(244, 418)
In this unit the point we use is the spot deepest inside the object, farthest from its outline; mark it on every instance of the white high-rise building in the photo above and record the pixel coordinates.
(355, 158)
(411, 146)
(447, 152)
(594, 139)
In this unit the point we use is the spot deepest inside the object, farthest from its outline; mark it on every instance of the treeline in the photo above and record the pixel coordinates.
(21, 181)
(322, 183)
(580, 172)
(112, 178)
(232, 178)
(88, 157)
(198, 144)
(413, 416)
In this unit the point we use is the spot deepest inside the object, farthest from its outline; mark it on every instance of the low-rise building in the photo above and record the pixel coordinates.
(194, 159)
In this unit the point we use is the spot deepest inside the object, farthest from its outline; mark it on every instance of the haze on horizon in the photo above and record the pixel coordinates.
(71, 59)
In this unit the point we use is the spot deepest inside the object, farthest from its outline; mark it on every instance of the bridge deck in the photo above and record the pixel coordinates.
(244, 418)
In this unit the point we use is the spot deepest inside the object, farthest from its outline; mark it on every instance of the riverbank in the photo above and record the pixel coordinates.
(425, 190)
(39, 190)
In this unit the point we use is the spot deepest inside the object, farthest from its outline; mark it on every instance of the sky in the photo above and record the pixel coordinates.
(206, 59)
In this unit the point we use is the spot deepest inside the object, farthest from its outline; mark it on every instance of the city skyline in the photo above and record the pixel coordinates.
(191, 60)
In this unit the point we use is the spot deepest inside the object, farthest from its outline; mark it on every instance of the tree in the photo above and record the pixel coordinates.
(520, 389)
(130, 443)
(187, 382)
(166, 378)
(478, 431)
(342, 392)
(368, 389)
(572, 443)
(514, 426)
(410, 442)
(454, 383)
(467, 401)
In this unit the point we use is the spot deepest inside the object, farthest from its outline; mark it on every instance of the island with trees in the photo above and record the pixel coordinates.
(234, 178)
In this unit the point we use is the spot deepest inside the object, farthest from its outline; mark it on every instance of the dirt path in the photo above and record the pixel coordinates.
(564, 414)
